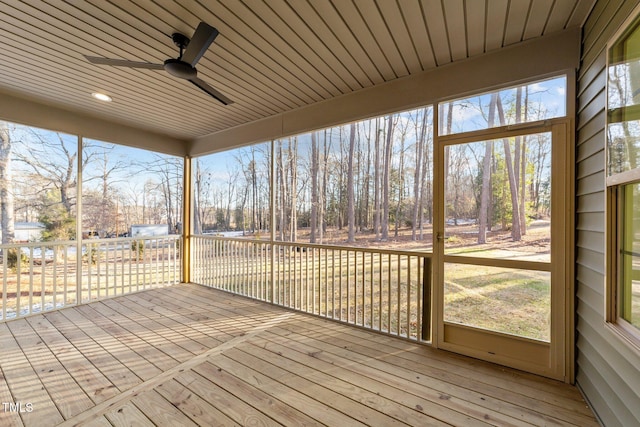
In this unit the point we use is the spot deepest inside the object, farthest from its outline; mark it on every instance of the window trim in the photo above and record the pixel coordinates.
(614, 217)
(614, 213)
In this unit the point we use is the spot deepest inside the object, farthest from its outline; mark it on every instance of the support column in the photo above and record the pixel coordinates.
(186, 221)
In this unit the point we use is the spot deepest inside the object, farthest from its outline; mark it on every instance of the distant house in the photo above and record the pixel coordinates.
(28, 231)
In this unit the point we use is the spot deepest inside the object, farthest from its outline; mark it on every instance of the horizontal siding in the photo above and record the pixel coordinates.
(607, 368)
(591, 143)
(593, 260)
(589, 164)
(590, 239)
(593, 202)
(591, 184)
(591, 221)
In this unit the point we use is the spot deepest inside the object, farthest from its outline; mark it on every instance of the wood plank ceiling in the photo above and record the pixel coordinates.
(271, 56)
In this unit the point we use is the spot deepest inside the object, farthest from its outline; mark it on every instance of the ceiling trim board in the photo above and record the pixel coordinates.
(31, 113)
(540, 57)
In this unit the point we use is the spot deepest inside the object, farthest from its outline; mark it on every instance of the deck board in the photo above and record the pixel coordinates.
(190, 355)
(69, 398)
(496, 391)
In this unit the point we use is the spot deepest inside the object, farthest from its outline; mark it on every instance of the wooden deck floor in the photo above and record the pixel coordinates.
(189, 355)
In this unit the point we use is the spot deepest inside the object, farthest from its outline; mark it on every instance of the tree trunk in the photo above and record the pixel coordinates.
(485, 198)
(282, 191)
(293, 161)
(367, 185)
(351, 217)
(315, 168)
(325, 184)
(516, 233)
(399, 214)
(376, 182)
(386, 180)
(417, 180)
(6, 193)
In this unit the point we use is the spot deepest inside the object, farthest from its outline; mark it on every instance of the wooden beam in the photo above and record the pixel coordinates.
(538, 58)
(16, 109)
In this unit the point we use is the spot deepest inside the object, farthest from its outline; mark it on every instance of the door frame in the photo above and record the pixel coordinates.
(552, 359)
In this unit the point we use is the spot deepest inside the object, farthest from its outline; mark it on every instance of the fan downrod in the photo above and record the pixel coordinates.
(177, 67)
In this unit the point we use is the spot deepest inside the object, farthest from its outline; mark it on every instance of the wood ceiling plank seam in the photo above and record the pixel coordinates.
(325, 32)
(28, 31)
(414, 19)
(132, 106)
(453, 11)
(281, 20)
(380, 31)
(245, 82)
(225, 42)
(351, 16)
(184, 22)
(91, 24)
(559, 16)
(57, 36)
(186, 103)
(475, 21)
(238, 67)
(124, 117)
(516, 18)
(185, 28)
(268, 40)
(434, 15)
(285, 65)
(329, 14)
(538, 18)
(132, 76)
(316, 44)
(397, 24)
(140, 18)
(274, 69)
(31, 15)
(580, 13)
(232, 70)
(173, 10)
(496, 18)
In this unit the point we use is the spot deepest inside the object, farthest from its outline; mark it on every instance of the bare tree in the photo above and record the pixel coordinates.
(516, 232)
(315, 196)
(485, 197)
(53, 160)
(418, 172)
(293, 167)
(351, 217)
(377, 182)
(6, 194)
(386, 179)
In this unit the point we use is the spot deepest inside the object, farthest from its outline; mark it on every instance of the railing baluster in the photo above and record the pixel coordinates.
(375, 288)
(5, 268)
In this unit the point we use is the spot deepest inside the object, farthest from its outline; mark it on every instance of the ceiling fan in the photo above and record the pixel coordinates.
(184, 67)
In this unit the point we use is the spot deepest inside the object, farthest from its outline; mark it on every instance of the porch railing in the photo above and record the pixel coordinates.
(383, 290)
(43, 276)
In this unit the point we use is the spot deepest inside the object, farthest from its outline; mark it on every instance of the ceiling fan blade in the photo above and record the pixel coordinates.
(123, 63)
(200, 42)
(211, 91)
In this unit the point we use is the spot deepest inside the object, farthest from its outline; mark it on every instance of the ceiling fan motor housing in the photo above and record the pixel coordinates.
(180, 69)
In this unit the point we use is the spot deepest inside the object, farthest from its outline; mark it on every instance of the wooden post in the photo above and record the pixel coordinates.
(186, 221)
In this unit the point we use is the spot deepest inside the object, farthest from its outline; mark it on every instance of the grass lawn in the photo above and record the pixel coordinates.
(504, 300)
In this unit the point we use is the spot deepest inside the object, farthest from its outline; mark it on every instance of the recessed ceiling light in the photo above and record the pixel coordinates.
(102, 97)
